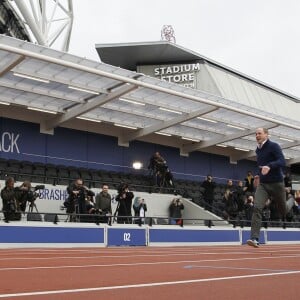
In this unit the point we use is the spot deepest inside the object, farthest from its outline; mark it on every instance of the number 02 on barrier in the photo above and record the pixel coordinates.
(126, 237)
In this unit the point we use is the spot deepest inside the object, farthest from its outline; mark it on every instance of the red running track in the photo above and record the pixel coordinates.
(206, 272)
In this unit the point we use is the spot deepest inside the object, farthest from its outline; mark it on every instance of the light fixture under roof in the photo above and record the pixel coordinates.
(222, 145)
(190, 139)
(163, 133)
(31, 77)
(287, 140)
(171, 110)
(89, 119)
(42, 110)
(241, 149)
(131, 101)
(125, 126)
(236, 127)
(137, 165)
(4, 103)
(82, 90)
(207, 120)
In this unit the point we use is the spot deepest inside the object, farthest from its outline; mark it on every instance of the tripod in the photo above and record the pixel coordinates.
(32, 206)
(116, 212)
(33, 216)
(126, 218)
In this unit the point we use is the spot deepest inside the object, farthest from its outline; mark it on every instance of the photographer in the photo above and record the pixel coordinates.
(124, 199)
(23, 194)
(103, 204)
(249, 184)
(157, 163)
(249, 206)
(175, 210)
(76, 201)
(231, 206)
(91, 210)
(160, 170)
(9, 206)
(140, 208)
(209, 191)
(27, 194)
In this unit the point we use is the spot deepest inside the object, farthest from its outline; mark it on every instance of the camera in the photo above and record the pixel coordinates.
(11, 206)
(83, 193)
(177, 201)
(32, 194)
(28, 193)
(250, 199)
(122, 188)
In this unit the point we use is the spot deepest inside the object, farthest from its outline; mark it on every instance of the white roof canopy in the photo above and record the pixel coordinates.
(78, 93)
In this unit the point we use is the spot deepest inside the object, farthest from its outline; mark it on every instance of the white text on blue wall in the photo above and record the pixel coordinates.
(9, 142)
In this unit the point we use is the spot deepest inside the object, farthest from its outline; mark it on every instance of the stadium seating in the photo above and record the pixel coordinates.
(3, 168)
(62, 172)
(12, 168)
(63, 175)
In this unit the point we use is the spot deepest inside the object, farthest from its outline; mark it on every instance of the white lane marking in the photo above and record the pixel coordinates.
(121, 256)
(153, 284)
(135, 254)
(118, 256)
(171, 251)
(234, 268)
(150, 249)
(146, 263)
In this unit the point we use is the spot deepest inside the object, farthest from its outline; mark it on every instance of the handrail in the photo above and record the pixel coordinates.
(151, 220)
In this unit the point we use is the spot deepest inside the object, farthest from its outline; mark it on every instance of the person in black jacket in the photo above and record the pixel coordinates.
(249, 184)
(76, 201)
(9, 207)
(124, 199)
(209, 191)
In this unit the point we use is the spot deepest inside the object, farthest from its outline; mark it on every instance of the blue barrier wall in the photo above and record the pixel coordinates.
(87, 235)
(47, 234)
(22, 141)
(193, 235)
(277, 235)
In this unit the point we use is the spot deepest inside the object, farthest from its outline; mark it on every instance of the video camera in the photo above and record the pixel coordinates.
(122, 188)
(177, 202)
(32, 195)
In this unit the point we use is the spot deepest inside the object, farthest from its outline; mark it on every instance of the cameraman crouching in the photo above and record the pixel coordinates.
(9, 207)
(124, 199)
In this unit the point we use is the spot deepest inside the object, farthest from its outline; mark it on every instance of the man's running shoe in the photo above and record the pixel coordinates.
(254, 243)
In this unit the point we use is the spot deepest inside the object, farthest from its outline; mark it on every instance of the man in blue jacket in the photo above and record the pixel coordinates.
(270, 161)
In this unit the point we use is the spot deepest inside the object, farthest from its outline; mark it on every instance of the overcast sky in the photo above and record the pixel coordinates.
(259, 38)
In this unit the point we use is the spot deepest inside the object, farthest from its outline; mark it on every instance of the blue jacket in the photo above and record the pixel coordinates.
(271, 155)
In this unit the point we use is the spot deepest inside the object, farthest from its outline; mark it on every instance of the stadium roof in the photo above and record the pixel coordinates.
(10, 22)
(131, 55)
(54, 88)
